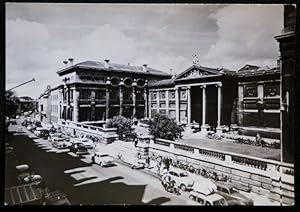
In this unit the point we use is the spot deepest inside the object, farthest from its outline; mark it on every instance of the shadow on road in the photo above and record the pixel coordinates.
(52, 167)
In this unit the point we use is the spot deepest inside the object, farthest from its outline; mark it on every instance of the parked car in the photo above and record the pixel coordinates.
(139, 164)
(56, 198)
(102, 159)
(27, 176)
(31, 127)
(78, 149)
(230, 193)
(54, 135)
(88, 143)
(58, 143)
(208, 200)
(181, 178)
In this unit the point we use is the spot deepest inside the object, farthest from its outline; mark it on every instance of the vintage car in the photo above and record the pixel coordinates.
(208, 200)
(139, 164)
(181, 178)
(26, 176)
(102, 159)
(78, 149)
(229, 192)
(58, 143)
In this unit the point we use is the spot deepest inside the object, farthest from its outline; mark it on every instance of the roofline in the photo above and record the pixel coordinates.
(205, 76)
(69, 70)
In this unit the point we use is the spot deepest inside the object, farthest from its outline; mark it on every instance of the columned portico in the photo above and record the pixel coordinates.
(206, 86)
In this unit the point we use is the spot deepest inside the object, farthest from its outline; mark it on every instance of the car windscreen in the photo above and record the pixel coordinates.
(219, 202)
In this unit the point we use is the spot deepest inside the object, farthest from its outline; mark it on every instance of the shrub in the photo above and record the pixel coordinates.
(122, 124)
(163, 127)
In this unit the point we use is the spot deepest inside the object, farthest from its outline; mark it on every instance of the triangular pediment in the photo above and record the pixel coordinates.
(196, 72)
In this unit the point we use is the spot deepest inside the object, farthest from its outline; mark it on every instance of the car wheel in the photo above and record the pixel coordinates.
(93, 160)
(100, 164)
(183, 187)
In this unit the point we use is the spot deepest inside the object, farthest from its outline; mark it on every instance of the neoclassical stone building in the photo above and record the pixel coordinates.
(213, 97)
(93, 91)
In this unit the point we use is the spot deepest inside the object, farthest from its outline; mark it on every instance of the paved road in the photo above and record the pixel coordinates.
(87, 183)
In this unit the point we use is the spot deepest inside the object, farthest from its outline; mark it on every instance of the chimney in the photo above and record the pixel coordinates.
(71, 61)
(106, 64)
(66, 63)
(145, 68)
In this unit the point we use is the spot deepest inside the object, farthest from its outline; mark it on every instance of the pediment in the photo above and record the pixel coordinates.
(195, 72)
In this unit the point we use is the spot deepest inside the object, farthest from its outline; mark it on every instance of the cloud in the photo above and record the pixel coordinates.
(246, 35)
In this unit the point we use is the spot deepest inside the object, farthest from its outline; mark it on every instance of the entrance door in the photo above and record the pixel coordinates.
(211, 105)
(196, 104)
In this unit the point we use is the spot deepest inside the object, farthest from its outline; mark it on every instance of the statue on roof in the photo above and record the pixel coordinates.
(195, 60)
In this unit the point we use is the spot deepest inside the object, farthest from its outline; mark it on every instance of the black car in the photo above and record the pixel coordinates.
(78, 149)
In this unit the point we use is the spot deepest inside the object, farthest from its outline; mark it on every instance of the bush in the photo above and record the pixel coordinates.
(122, 124)
(163, 127)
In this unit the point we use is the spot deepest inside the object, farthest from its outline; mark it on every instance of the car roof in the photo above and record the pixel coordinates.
(211, 197)
(224, 184)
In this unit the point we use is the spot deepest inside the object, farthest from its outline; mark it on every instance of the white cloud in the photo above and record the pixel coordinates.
(246, 35)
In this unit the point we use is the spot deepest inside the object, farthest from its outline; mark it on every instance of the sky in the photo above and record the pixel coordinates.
(39, 37)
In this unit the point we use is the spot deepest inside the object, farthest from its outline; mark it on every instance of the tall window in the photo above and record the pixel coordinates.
(100, 94)
(84, 94)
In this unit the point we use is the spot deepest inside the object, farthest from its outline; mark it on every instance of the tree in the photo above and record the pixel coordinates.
(163, 127)
(122, 124)
(11, 103)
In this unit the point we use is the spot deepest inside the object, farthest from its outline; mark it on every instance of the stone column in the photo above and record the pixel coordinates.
(219, 86)
(177, 105)
(107, 98)
(76, 105)
(189, 106)
(204, 126)
(121, 100)
(146, 104)
(149, 98)
(134, 101)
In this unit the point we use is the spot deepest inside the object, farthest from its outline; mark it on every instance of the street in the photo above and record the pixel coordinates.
(89, 184)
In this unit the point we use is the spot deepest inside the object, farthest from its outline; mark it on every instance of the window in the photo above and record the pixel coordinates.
(171, 94)
(153, 95)
(85, 94)
(154, 105)
(250, 91)
(172, 104)
(162, 104)
(272, 89)
(101, 94)
(71, 94)
(140, 95)
(183, 94)
(162, 94)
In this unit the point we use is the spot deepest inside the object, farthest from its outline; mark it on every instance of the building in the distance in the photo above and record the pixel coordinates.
(93, 91)
(25, 104)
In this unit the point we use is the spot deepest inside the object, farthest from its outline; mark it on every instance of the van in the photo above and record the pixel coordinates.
(207, 200)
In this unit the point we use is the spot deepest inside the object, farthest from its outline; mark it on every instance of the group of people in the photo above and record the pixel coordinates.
(169, 184)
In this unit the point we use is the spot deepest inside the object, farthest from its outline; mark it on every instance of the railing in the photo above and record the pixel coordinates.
(184, 147)
(246, 163)
(214, 154)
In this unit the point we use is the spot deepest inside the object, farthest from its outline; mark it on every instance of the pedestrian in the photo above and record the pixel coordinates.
(74, 132)
(135, 142)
